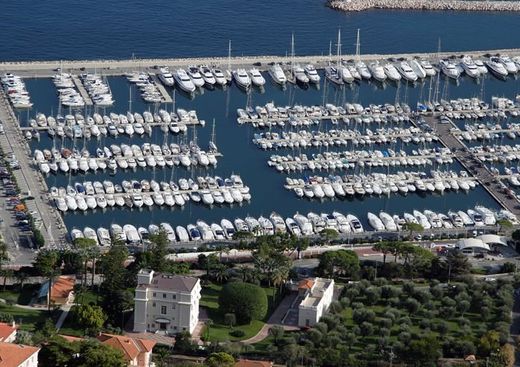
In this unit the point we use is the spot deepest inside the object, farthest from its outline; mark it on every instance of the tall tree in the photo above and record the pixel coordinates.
(158, 250)
(84, 248)
(47, 264)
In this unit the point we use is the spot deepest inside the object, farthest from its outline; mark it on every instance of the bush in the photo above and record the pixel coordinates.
(247, 301)
(237, 333)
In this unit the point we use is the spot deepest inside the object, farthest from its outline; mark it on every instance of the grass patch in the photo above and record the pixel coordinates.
(219, 332)
(25, 318)
(23, 297)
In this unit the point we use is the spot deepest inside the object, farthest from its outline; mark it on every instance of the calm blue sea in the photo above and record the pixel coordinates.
(60, 29)
(57, 29)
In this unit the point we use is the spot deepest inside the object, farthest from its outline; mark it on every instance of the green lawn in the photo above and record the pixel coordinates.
(24, 317)
(23, 297)
(218, 331)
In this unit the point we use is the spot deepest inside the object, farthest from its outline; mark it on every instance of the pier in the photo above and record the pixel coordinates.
(41, 69)
(456, 5)
(30, 182)
(473, 165)
(160, 87)
(82, 91)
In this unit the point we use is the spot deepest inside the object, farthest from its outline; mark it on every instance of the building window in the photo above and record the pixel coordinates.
(174, 296)
(153, 304)
(154, 294)
(173, 307)
(163, 310)
(164, 295)
(153, 325)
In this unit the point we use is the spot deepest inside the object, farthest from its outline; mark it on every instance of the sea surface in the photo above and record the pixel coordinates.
(57, 29)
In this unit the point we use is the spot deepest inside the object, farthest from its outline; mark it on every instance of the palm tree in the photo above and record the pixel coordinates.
(21, 277)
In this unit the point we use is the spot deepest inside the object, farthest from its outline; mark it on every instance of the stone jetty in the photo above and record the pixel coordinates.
(460, 5)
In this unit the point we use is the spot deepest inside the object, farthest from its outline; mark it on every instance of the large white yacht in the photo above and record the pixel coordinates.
(312, 74)
(377, 71)
(241, 78)
(406, 71)
(219, 76)
(375, 222)
(300, 75)
(418, 69)
(362, 69)
(391, 72)
(496, 67)
(469, 66)
(334, 75)
(277, 74)
(428, 67)
(207, 75)
(166, 76)
(184, 81)
(449, 69)
(508, 64)
(195, 76)
(256, 77)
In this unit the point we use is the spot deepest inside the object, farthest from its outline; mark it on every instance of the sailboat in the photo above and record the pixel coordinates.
(333, 73)
(361, 67)
(297, 72)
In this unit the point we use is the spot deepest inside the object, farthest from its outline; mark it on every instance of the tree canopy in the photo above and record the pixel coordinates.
(247, 301)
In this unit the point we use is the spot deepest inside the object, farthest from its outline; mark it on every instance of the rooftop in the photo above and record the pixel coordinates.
(177, 283)
(131, 347)
(12, 355)
(6, 330)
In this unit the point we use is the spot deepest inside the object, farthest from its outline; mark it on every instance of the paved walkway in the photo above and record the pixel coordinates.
(64, 313)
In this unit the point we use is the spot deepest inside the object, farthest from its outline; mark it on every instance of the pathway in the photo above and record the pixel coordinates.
(64, 313)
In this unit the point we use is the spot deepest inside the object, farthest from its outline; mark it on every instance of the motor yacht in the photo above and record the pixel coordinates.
(219, 77)
(496, 67)
(196, 78)
(256, 77)
(362, 69)
(183, 81)
(278, 223)
(391, 72)
(470, 68)
(418, 69)
(104, 236)
(377, 71)
(312, 73)
(449, 69)
(277, 74)
(355, 223)
(207, 76)
(300, 75)
(375, 222)
(242, 78)
(509, 64)
(422, 219)
(293, 227)
(166, 76)
(304, 224)
(388, 221)
(229, 229)
(406, 71)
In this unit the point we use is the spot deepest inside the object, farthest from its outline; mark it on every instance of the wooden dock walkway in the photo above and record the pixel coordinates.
(82, 91)
(474, 166)
(160, 87)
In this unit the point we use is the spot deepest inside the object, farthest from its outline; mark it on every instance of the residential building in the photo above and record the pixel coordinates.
(252, 363)
(168, 303)
(317, 296)
(137, 352)
(17, 355)
(8, 332)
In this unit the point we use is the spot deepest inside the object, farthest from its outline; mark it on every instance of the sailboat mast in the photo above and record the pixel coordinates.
(358, 45)
(229, 55)
(339, 47)
(292, 52)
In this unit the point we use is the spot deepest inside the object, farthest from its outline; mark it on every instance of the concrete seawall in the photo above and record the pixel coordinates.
(457, 5)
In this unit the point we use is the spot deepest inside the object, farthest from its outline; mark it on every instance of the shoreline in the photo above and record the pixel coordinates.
(445, 5)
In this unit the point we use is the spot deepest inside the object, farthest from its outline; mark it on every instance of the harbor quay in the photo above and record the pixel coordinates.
(454, 5)
(46, 69)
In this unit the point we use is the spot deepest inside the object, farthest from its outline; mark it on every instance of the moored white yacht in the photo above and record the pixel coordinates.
(195, 76)
(184, 81)
(469, 66)
(496, 67)
(242, 78)
(312, 73)
(166, 76)
(256, 77)
(277, 74)
(449, 69)
(418, 69)
(406, 71)
(377, 71)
